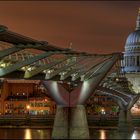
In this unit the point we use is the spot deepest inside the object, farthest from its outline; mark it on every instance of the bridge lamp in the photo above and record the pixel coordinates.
(29, 69)
(28, 108)
(74, 74)
(23, 68)
(63, 73)
(49, 71)
(3, 65)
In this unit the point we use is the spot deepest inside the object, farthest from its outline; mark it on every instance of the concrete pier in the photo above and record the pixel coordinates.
(60, 127)
(125, 121)
(70, 123)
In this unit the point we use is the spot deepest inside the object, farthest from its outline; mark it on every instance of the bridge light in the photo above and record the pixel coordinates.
(63, 73)
(24, 68)
(74, 74)
(49, 71)
(29, 69)
(3, 65)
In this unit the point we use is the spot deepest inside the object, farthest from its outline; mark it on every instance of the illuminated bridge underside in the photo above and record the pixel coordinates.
(69, 76)
(25, 58)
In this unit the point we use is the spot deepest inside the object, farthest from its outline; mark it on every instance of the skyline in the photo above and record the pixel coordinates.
(95, 27)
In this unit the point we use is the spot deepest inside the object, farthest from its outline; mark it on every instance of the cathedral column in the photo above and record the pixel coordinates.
(139, 60)
(124, 62)
(126, 59)
(129, 60)
(135, 60)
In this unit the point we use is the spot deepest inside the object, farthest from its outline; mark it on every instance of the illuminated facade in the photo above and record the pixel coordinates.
(131, 62)
(25, 97)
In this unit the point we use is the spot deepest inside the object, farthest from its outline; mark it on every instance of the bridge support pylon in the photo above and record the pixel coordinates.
(70, 123)
(125, 121)
(70, 120)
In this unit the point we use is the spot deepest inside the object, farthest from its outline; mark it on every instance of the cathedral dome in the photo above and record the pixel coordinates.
(133, 38)
(133, 42)
(131, 60)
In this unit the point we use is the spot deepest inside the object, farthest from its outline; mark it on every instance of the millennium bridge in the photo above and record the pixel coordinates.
(71, 77)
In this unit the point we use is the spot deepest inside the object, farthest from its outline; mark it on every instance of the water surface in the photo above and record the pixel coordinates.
(14, 133)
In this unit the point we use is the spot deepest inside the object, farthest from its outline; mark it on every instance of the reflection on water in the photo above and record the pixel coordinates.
(13, 133)
(136, 135)
(113, 134)
(27, 134)
(133, 136)
(102, 134)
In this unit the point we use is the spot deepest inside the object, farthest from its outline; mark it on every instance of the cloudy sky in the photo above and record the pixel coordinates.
(96, 27)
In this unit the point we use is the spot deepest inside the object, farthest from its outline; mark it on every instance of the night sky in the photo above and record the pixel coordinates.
(95, 27)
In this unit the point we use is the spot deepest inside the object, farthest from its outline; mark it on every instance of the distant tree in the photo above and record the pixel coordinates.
(114, 109)
(130, 86)
(97, 108)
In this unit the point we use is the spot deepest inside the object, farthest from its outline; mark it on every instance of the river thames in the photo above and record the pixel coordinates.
(15, 133)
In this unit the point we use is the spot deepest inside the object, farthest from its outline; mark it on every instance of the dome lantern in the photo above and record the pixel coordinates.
(138, 21)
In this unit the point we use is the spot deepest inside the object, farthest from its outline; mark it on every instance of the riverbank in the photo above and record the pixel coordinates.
(47, 122)
(30, 127)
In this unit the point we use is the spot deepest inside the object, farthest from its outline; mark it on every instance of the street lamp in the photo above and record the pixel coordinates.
(28, 108)
(102, 111)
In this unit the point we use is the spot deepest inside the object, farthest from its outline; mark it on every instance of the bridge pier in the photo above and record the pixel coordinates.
(70, 123)
(125, 121)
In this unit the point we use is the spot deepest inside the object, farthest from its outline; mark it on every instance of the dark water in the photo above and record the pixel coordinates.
(12, 133)
(113, 134)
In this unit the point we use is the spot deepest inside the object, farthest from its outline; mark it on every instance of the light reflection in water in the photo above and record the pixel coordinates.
(133, 136)
(41, 134)
(27, 134)
(102, 134)
(136, 135)
(46, 134)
